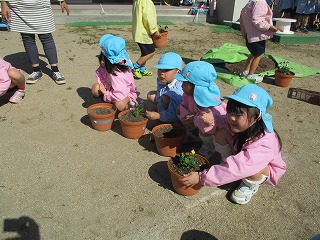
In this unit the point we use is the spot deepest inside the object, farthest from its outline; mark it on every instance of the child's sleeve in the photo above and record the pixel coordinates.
(259, 12)
(248, 162)
(149, 17)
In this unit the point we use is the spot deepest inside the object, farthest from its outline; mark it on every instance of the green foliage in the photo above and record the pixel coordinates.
(283, 67)
(163, 29)
(186, 161)
(138, 109)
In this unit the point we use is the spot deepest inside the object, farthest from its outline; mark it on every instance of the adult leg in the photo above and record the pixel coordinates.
(31, 49)
(50, 50)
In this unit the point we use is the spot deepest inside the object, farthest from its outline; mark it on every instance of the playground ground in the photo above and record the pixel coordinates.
(72, 182)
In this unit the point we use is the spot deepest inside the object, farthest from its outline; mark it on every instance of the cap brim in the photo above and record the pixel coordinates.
(164, 66)
(240, 99)
(180, 77)
(205, 98)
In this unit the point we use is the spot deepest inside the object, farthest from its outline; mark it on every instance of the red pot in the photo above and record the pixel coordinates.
(282, 80)
(178, 186)
(168, 147)
(102, 122)
(161, 42)
(132, 130)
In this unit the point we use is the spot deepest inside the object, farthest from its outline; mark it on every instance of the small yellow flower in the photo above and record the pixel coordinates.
(193, 152)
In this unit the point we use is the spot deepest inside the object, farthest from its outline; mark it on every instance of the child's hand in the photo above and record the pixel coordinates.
(152, 115)
(156, 35)
(207, 117)
(190, 179)
(275, 29)
(102, 89)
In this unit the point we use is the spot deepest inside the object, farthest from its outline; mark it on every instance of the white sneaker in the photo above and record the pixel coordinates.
(244, 191)
(257, 78)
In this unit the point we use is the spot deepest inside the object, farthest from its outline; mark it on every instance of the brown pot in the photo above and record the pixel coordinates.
(168, 146)
(178, 186)
(282, 80)
(102, 122)
(161, 42)
(133, 130)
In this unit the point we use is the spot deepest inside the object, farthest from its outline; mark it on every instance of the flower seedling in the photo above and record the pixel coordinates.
(138, 109)
(163, 29)
(283, 67)
(186, 161)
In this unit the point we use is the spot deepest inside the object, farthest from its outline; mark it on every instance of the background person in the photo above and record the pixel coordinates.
(144, 25)
(30, 18)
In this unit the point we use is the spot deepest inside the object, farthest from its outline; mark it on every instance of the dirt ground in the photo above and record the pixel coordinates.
(64, 180)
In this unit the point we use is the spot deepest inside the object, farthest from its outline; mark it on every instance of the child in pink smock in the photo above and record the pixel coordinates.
(201, 102)
(258, 147)
(11, 77)
(256, 27)
(115, 80)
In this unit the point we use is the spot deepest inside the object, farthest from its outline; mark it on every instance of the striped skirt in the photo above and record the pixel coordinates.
(31, 16)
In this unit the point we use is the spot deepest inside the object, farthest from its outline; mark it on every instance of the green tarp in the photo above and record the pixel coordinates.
(232, 53)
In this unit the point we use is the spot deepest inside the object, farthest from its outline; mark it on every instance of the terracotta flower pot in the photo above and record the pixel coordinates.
(282, 80)
(179, 187)
(171, 144)
(161, 42)
(100, 120)
(132, 130)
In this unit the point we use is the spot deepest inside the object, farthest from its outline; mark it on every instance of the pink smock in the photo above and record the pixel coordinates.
(118, 87)
(5, 81)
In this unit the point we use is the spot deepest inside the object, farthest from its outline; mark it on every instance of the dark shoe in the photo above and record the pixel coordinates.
(304, 30)
(58, 78)
(34, 77)
(297, 29)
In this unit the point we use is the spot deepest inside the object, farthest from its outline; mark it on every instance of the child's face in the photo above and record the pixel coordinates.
(188, 88)
(239, 122)
(167, 75)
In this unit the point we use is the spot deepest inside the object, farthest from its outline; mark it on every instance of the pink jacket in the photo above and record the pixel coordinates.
(253, 157)
(220, 110)
(118, 87)
(4, 78)
(187, 107)
(255, 21)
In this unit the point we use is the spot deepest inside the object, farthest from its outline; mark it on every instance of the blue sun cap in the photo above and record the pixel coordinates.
(255, 96)
(202, 75)
(114, 49)
(170, 60)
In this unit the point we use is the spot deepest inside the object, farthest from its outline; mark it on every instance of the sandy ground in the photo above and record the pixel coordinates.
(72, 182)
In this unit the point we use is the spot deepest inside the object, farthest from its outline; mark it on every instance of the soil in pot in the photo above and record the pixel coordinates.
(169, 131)
(100, 111)
(128, 117)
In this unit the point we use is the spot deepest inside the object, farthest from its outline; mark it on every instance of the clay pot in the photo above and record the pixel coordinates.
(179, 187)
(102, 122)
(161, 42)
(282, 80)
(171, 145)
(133, 130)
